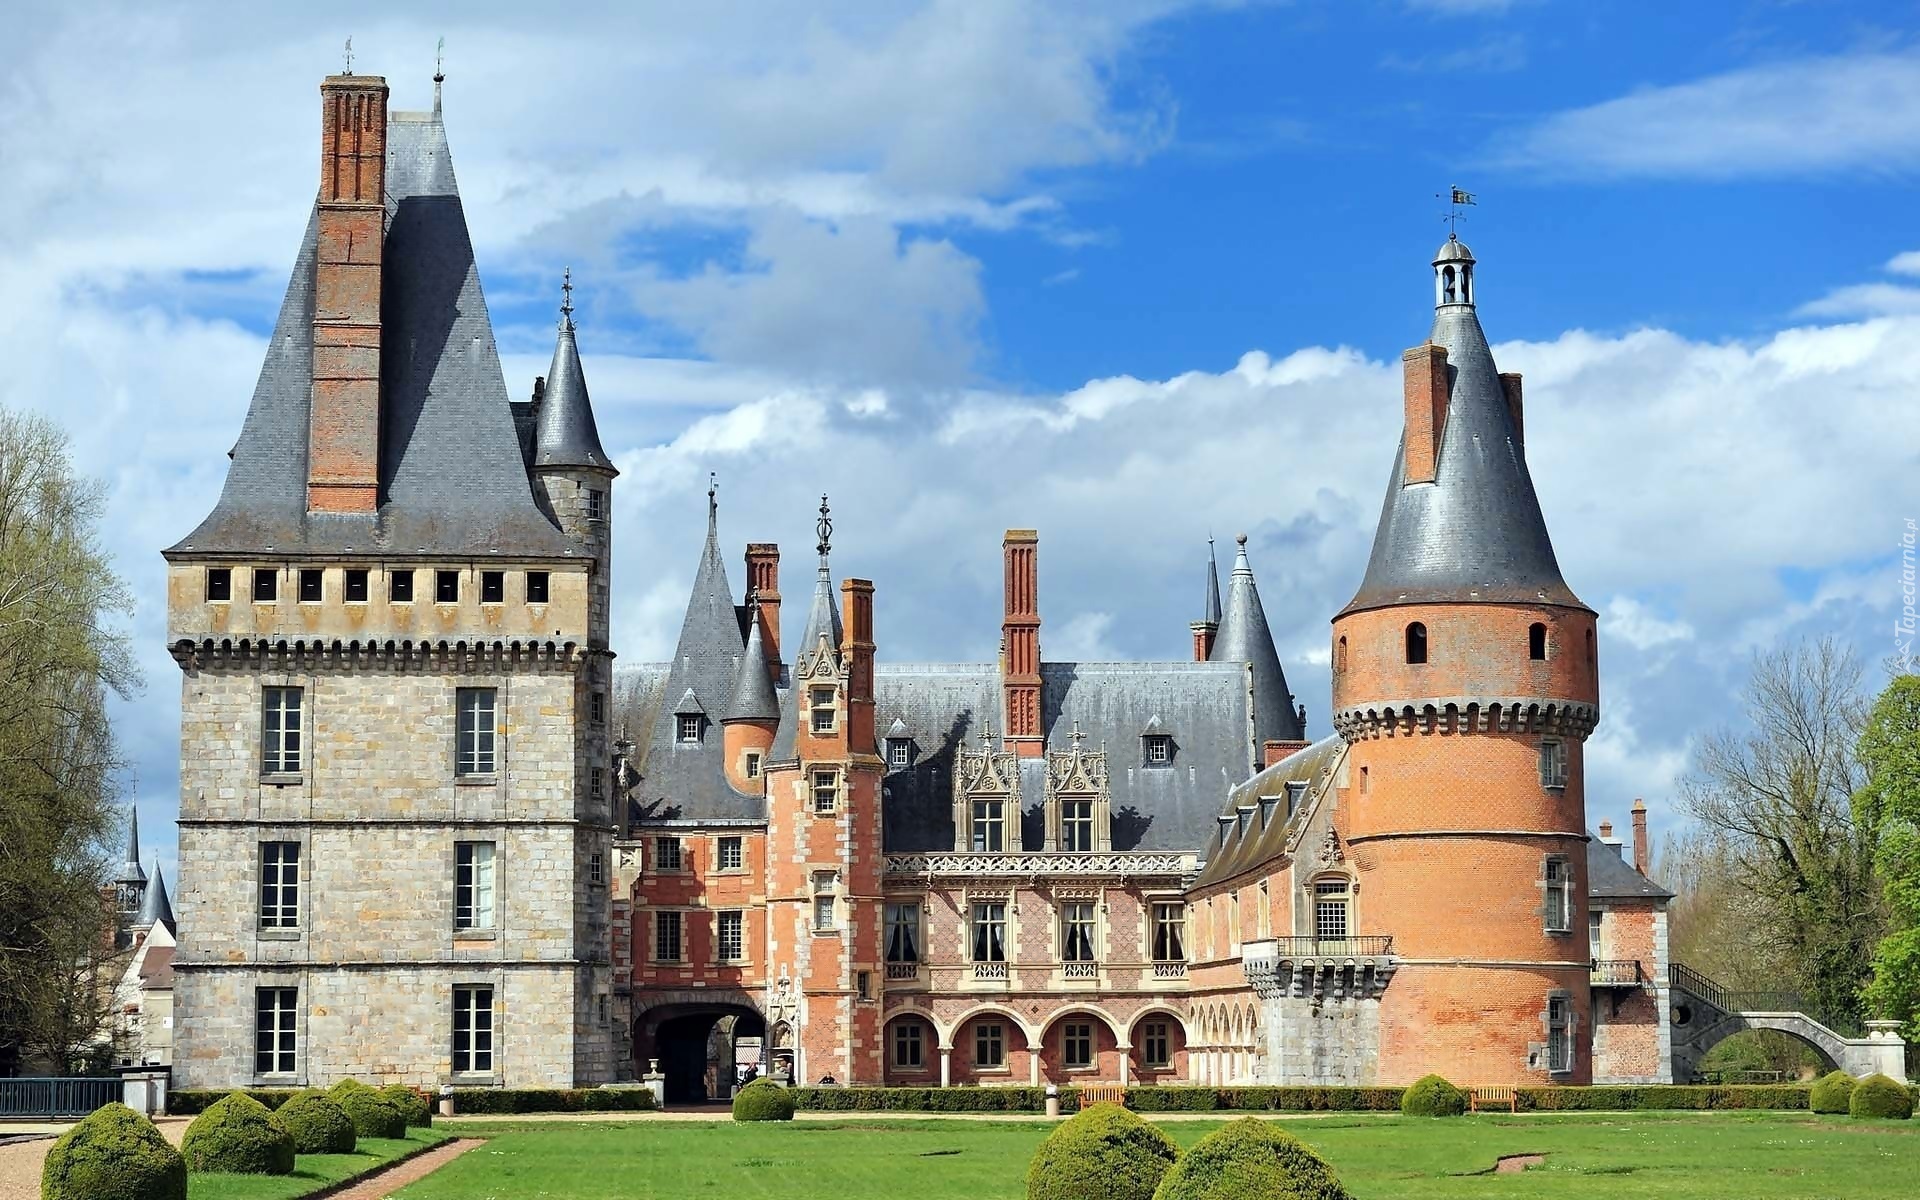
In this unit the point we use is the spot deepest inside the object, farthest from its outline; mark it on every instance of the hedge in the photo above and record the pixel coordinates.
(318, 1125)
(115, 1152)
(418, 1110)
(1151, 1098)
(1105, 1153)
(547, 1100)
(373, 1114)
(191, 1102)
(1880, 1097)
(1831, 1093)
(1663, 1097)
(927, 1099)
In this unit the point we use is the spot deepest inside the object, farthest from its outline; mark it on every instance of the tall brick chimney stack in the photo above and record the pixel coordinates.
(856, 619)
(1642, 852)
(1424, 384)
(343, 440)
(1020, 643)
(763, 583)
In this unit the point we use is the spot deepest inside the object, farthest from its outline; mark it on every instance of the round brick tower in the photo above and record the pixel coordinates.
(1465, 683)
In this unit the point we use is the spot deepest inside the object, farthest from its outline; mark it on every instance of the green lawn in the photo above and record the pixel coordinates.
(311, 1172)
(1672, 1157)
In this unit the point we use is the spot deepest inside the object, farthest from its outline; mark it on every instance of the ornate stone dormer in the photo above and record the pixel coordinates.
(986, 799)
(1079, 810)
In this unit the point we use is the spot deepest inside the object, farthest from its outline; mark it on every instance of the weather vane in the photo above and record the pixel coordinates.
(439, 60)
(566, 296)
(1456, 200)
(349, 52)
(824, 527)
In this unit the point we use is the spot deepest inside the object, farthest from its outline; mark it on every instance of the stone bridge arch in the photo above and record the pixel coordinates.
(1693, 1041)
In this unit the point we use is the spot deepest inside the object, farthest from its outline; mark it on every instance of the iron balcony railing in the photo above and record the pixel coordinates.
(1618, 972)
(1371, 946)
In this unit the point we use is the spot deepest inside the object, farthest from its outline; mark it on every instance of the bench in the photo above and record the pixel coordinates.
(1102, 1093)
(1490, 1098)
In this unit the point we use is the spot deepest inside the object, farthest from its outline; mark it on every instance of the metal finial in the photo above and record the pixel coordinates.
(566, 298)
(349, 53)
(439, 60)
(1240, 539)
(986, 740)
(713, 487)
(824, 527)
(1456, 200)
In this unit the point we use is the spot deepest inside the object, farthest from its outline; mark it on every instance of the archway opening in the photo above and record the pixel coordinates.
(705, 1051)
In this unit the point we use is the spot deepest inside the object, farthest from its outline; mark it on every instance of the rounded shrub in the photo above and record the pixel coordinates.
(1250, 1159)
(114, 1152)
(1103, 1153)
(372, 1114)
(1832, 1093)
(318, 1125)
(763, 1100)
(240, 1136)
(1880, 1097)
(418, 1112)
(1432, 1096)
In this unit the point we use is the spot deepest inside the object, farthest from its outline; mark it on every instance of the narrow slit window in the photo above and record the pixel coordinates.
(1537, 642)
(1416, 643)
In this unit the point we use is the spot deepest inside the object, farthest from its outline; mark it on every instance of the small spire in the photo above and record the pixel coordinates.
(349, 53)
(566, 300)
(713, 507)
(439, 72)
(1210, 614)
(824, 527)
(130, 870)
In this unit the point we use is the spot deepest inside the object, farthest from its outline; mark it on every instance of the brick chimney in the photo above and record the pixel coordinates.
(343, 437)
(856, 622)
(1425, 385)
(1204, 633)
(1276, 749)
(1642, 853)
(1510, 384)
(763, 583)
(1020, 643)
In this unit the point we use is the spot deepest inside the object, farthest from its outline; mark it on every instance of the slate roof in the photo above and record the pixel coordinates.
(1264, 843)
(1611, 876)
(1475, 534)
(1245, 637)
(130, 870)
(155, 907)
(452, 479)
(1210, 612)
(823, 617)
(754, 698)
(566, 435)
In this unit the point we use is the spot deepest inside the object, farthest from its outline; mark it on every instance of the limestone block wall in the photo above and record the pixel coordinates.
(1319, 1040)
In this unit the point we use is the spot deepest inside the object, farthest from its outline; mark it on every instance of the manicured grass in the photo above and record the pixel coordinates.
(311, 1172)
(1670, 1156)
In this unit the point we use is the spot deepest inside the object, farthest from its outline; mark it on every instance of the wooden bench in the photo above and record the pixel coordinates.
(1102, 1093)
(1490, 1098)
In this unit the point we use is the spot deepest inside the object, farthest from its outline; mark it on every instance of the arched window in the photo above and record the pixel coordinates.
(1466, 284)
(1416, 643)
(1446, 285)
(1340, 655)
(1537, 642)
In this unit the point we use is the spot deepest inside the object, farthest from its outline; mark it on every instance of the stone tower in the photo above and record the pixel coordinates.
(1465, 683)
(824, 862)
(392, 634)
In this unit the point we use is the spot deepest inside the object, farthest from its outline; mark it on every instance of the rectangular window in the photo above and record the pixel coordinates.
(990, 932)
(1330, 910)
(899, 753)
(266, 585)
(1559, 897)
(666, 854)
(1076, 931)
(311, 591)
(989, 826)
(1156, 1048)
(596, 868)
(821, 700)
(598, 708)
(903, 932)
(1553, 764)
(753, 765)
(732, 936)
(1076, 1045)
(356, 585)
(989, 1045)
(1076, 825)
(473, 1030)
(281, 730)
(1263, 914)
(219, 583)
(279, 885)
(596, 504)
(273, 1030)
(400, 586)
(824, 914)
(1159, 750)
(473, 890)
(686, 727)
(1559, 1034)
(446, 587)
(863, 984)
(537, 585)
(474, 752)
(493, 587)
(597, 784)
(1169, 931)
(906, 1045)
(825, 789)
(731, 857)
(666, 937)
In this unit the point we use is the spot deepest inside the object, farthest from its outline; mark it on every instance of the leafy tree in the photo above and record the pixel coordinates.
(59, 771)
(1889, 804)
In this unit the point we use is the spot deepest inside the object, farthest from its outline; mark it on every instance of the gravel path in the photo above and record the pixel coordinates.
(20, 1162)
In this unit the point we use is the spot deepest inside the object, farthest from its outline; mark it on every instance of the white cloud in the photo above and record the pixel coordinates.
(1905, 263)
(1635, 623)
(1809, 115)
(1864, 300)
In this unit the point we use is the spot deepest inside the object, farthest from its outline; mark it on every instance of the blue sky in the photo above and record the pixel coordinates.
(1128, 272)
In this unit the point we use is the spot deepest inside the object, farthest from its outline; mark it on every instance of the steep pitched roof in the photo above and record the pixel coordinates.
(1311, 769)
(130, 869)
(567, 435)
(753, 694)
(155, 907)
(1245, 637)
(451, 476)
(1611, 876)
(1475, 534)
(1210, 611)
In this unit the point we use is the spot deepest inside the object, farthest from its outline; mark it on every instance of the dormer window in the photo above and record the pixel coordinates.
(820, 705)
(687, 727)
(899, 753)
(1157, 749)
(1076, 825)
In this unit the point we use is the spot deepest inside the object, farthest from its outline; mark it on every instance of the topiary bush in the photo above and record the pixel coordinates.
(1880, 1097)
(318, 1125)
(1432, 1096)
(1832, 1093)
(418, 1112)
(238, 1136)
(1250, 1160)
(114, 1152)
(1103, 1153)
(372, 1114)
(763, 1100)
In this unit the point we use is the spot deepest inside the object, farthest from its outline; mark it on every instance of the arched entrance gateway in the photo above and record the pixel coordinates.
(705, 1044)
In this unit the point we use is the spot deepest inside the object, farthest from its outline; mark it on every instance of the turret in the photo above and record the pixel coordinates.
(571, 473)
(1245, 637)
(130, 884)
(155, 907)
(753, 713)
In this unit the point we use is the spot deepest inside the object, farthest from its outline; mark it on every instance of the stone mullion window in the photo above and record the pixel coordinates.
(730, 936)
(989, 1046)
(987, 824)
(1155, 1045)
(1559, 1022)
(473, 1029)
(908, 1050)
(903, 931)
(475, 886)
(476, 747)
(669, 944)
(1169, 931)
(279, 885)
(283, 730)
(1077, 1045)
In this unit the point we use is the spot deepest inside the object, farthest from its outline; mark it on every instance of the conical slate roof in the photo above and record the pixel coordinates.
(130, 870)
(1475, 534)
(155, 907)
(823, 620)
(1244, 637)
(1210, 613)
(753, 695)
(567, 436)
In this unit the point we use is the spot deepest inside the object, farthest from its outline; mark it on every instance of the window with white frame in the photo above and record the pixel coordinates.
(820, 702)
(907, 1045)
(473, 885)
(667, 945)
(687, 727)
(1076, 1045)
(1559, 1034)
(1559, 906)
(753, 764)
(1169, 931)
(989, 1045)
(730, 855)
(1553, 763)
(475, 748)
(281, 730)
(731, 936)
(826, 791)
(825, 909)
(1156, 1045)
(1330, 899)
(273, 1030)
(899, 753)
(903, 931)
(1076, 825)
(989, 826)
(1076, 931)
(596, 504)
(473, 1029)
(279, 885)
(990, 931)
(1157, 749)
(666, 854)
